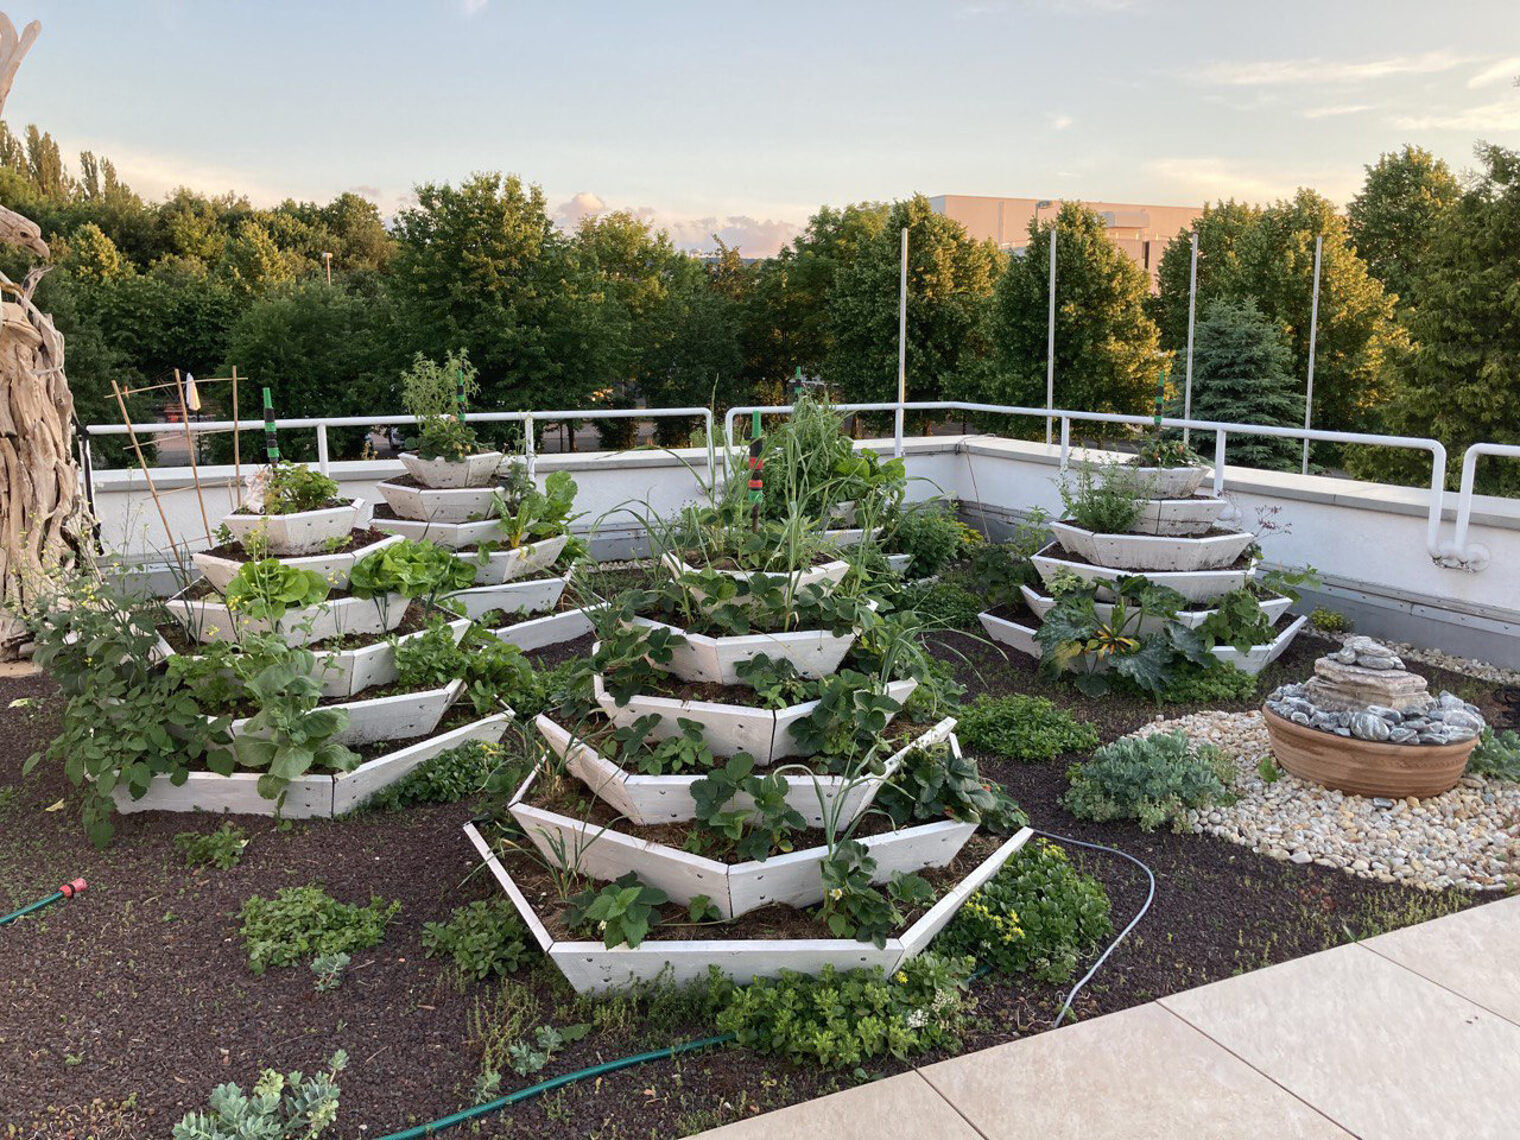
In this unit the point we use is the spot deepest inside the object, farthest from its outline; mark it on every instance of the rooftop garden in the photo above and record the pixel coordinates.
(420, 801)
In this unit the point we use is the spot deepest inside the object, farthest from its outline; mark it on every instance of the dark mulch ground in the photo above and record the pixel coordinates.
(137, 996)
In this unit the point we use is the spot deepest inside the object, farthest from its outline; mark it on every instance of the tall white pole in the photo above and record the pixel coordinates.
(1319, 242)
(1050, 343)
(1187, 387)
(902, 347)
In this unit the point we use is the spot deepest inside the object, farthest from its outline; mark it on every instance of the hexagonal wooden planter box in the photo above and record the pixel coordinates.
(1190, 516)
(813, 653)
(440, 504)
(1042, 604)
(647, 800)
(591, 967)
(1193, 585)
(449, 535)
(302, 532)
(764, 733)
(310, 797)
(530, 596)
(401, 716)
(1170, 482)
(335, 569)
(209, 619)
(473, 471)
(551, 629)
(1146, 553)
(824, 573)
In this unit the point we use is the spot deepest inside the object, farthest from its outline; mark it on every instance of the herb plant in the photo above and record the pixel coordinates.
(300, 923)
(430, 391)
(1105, 500)
(485, 939)
(757, 828)
(268, 589)
(288, 1107)
(290, 488)
(1021, 727)
(621, 913)
(1158, 451)
(535, 515)
(933, 783)
(222, 848)
(1154, 779)
(1497, 755)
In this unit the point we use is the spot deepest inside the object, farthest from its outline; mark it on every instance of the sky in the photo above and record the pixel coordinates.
(742, 118)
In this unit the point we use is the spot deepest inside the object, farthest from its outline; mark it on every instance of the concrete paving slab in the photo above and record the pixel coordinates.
(1381, 1051)
(1141, 1074)
(1475, 952)
(902, 1107)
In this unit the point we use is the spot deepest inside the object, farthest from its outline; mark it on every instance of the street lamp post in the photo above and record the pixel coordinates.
(327, 263)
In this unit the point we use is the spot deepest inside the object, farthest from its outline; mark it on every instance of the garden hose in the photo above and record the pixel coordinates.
(67, 891)
(479, 1110)
(1150, 896)
(553, 1083)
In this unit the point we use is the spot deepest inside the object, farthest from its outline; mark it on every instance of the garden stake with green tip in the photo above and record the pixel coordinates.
(756, 463)
(67, 891)
(271, 433)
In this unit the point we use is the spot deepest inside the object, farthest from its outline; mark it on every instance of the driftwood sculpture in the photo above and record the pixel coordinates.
(44, 524)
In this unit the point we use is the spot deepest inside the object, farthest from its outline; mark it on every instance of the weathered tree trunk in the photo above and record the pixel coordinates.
(44, 524)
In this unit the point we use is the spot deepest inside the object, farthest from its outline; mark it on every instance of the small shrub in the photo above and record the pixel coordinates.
(1038, 915)
(443, 779)
(288, 1107)
(1329, 621)
(933, 783)
(293, 487)
(933, 536)
(1025, 728)
(944, 604)
(221, 848)
(838, 1020)
(304, 922)
(1105, 500)
(484, 938)
(329, 971)
(1153, 779)
(1205, 684)
(1497, 755)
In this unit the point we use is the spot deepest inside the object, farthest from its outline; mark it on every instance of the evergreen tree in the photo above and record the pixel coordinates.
(1242, 373)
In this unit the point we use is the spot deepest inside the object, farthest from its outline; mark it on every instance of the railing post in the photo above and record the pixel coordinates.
(1219, 454)
(322, 448)
(530, 451)
(1065, 441)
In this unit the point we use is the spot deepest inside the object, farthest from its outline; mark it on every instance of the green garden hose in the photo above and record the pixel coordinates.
(67, 891)
(553, 1083)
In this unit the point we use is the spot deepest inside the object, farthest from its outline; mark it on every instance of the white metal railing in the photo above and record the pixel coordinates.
(1462, 554)
(1220, 429)
(322, 423)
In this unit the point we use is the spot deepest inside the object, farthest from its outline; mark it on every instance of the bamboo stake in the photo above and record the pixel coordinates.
(147, 477)
(195, 470)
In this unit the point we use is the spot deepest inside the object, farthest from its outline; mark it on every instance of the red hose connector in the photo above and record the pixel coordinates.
(69, 890)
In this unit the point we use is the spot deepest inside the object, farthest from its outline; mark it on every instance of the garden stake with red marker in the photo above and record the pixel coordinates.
(67, 891)
(756, 464)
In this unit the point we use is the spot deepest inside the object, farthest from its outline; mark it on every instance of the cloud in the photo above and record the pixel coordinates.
(154, 174)
(1316, 70)
(370, 192)
(1504, 71)
(1199, 179)
(1335, 111)
(755, 237)
(1059, 122)
(1503, 116)
(471, 7)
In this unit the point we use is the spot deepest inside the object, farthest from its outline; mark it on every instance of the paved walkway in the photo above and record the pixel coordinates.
(1411, 1034)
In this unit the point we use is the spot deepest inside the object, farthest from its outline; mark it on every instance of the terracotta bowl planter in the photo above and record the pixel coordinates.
(1363, 767)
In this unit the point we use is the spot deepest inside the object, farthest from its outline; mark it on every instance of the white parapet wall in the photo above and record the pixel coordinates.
(1367, 540)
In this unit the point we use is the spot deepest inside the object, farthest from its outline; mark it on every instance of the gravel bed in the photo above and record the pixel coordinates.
(1468, 837)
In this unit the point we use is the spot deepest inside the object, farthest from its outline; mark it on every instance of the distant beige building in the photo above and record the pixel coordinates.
(1140, 231)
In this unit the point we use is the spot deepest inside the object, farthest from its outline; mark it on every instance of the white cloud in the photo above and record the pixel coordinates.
(1059, 122)
(755, 237)
(1187, 179)
(1335, 111)
(1503, 116)
(1261, 73)
(471, 7)
(153, 174)
(1504, 71)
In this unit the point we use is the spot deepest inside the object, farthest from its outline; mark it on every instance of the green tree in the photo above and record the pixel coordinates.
(91, 255)
(695, 357)
(1106, 346)
(1393, 220)
(1460, 379)
(1268, 255)
(252, 263)
(1242, 373)
(950, 278)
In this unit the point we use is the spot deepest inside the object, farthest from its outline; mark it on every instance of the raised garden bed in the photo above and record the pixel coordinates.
(301, 532)
(1040, 604)
(473, 471)
(208, 619)
(825, 572)
(814, 653)
(727, 728)
(648, 800)
(1193, 585)
(1146, 553)
(1170, 482)
(449, 535)
(1194, 515)
(410, 500)
(313, 796)
(396, 716)
(591, 967)
(220, 568)
(525, 596)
